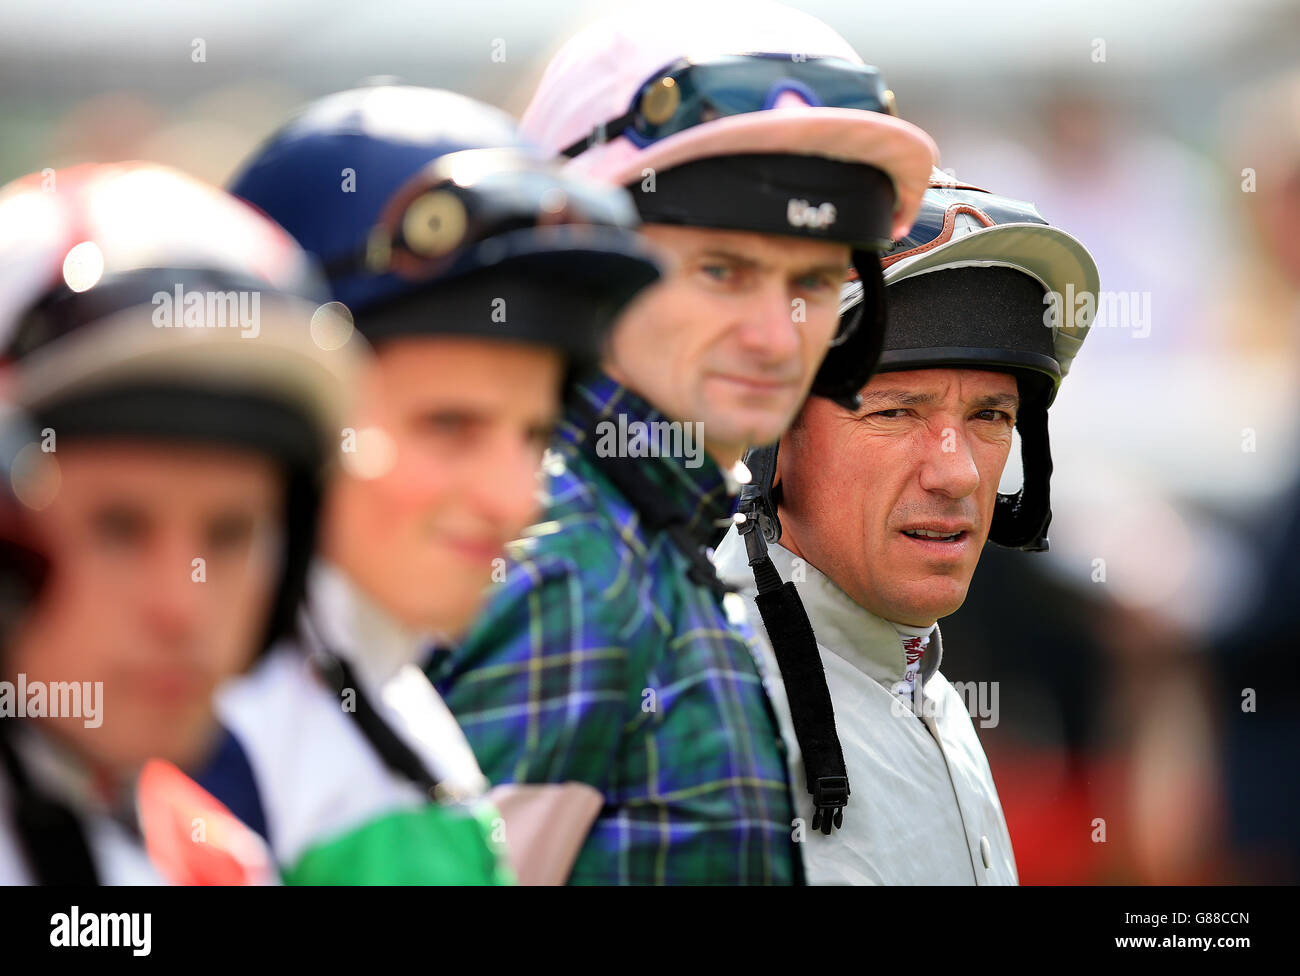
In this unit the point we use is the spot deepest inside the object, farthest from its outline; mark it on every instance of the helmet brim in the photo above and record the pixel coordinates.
(297, 355)
(893, 145)
(605, 262)
(1056, 259)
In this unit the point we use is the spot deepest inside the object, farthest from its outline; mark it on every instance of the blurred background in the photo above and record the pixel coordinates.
(1148, 719)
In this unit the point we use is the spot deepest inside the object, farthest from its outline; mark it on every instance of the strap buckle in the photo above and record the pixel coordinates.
(830, 796)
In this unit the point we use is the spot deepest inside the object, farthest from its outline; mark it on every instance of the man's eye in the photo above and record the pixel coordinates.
(447, 424)
(996, 416)
(895, 414)
(540, 436)
(815, 282)
(230, 533)
(119, 527)
(717, 272)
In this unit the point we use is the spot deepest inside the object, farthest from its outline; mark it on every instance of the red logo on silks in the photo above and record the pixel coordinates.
(192, 838)
(914, 650)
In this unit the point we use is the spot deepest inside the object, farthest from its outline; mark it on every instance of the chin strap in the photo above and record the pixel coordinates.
(339, 676)
(855, 353)
(756, 497)
(1020, 521)
(399, 757)
(795, 646)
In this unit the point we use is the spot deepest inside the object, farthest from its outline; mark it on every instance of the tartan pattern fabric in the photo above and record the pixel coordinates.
(598, 660)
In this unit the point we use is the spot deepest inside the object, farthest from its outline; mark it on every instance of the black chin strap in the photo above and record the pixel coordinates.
(49, 833)
(335, 671)
(795, 646)
(759, 496)
(1020, 521)
(852, 359)
(395, 753)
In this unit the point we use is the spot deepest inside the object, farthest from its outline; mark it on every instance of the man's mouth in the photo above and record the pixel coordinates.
(169, 686)
(475, 549)
(935, 536)
(757, 385)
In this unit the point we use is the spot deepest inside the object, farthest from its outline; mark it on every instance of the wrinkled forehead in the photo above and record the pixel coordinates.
(934, 384)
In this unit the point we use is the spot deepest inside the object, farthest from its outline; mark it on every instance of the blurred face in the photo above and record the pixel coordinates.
(894, 502)
(445, 473)
(129, 604)
(733, 335)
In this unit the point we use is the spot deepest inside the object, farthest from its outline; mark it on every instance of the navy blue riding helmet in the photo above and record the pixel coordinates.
(430, 215)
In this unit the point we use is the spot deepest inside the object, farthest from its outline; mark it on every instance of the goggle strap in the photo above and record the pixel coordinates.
(601, 134)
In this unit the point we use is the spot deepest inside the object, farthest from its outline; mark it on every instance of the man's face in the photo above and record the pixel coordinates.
(733, 335)
(164, 562)
(444, 474)
(925, 453)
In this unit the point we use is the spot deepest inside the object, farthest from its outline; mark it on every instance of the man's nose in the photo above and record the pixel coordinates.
(506, 488)
(770, 332)
(948, 467)
(176, 576)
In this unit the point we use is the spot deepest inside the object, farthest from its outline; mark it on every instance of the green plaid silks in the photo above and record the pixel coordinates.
(598, 660)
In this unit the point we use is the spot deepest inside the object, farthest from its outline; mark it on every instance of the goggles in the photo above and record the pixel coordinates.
(938, 206)
(687, 93)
